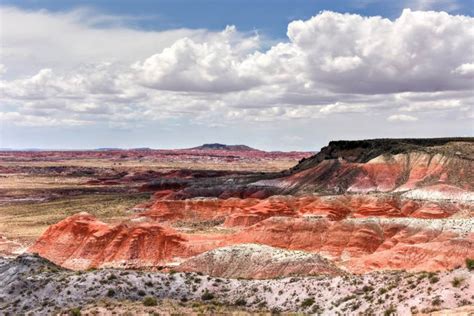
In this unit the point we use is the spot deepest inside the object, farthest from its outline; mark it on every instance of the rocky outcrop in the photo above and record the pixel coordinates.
(362, 151)
(258, 262)
(385, 173)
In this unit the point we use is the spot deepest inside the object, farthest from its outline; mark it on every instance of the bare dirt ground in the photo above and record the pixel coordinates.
(38, 189)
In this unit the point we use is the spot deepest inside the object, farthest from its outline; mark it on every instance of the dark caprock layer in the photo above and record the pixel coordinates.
(364, 150)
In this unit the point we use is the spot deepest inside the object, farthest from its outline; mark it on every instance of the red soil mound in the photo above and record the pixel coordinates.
(81, 242)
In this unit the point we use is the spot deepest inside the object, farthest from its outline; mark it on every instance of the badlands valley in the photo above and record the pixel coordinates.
(369, 227)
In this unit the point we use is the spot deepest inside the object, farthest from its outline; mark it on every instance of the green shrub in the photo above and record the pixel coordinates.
(150, 301)
(390, 311)
(207, 296)
(307, 302)
(110, 292)
(75, 311)
(422, 276)
(470, 264)
(433, 278)
(456, 282)
(240, 302)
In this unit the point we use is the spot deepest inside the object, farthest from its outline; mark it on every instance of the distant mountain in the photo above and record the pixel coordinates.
(108, 149)
(217, 146)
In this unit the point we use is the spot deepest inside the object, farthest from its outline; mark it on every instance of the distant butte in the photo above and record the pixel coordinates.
(217, 146)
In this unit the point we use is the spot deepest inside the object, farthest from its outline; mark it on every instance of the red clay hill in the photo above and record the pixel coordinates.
(357, 206)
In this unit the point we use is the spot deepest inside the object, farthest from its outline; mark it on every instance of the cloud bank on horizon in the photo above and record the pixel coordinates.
(336, 75)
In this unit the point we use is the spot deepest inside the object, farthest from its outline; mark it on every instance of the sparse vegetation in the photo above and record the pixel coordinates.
(150, 301)
(240, 302)
(308, 302)
(437, 301)
(470, 264)
(456, 282)
(76, 311)
(29, 220)
(390, 311)
(433, 278)
(207, 296)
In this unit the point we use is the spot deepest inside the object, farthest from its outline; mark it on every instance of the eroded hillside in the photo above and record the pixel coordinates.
(357, 209)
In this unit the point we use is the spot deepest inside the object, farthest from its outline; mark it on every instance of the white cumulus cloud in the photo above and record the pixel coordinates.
(402, 118)
(65, 68)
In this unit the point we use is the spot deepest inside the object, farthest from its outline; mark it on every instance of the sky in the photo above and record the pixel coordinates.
(275, 75)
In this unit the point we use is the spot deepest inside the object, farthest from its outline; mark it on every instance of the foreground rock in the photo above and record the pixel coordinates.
(30, 284)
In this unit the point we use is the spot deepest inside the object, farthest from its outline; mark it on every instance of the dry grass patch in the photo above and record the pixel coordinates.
(27, 221)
